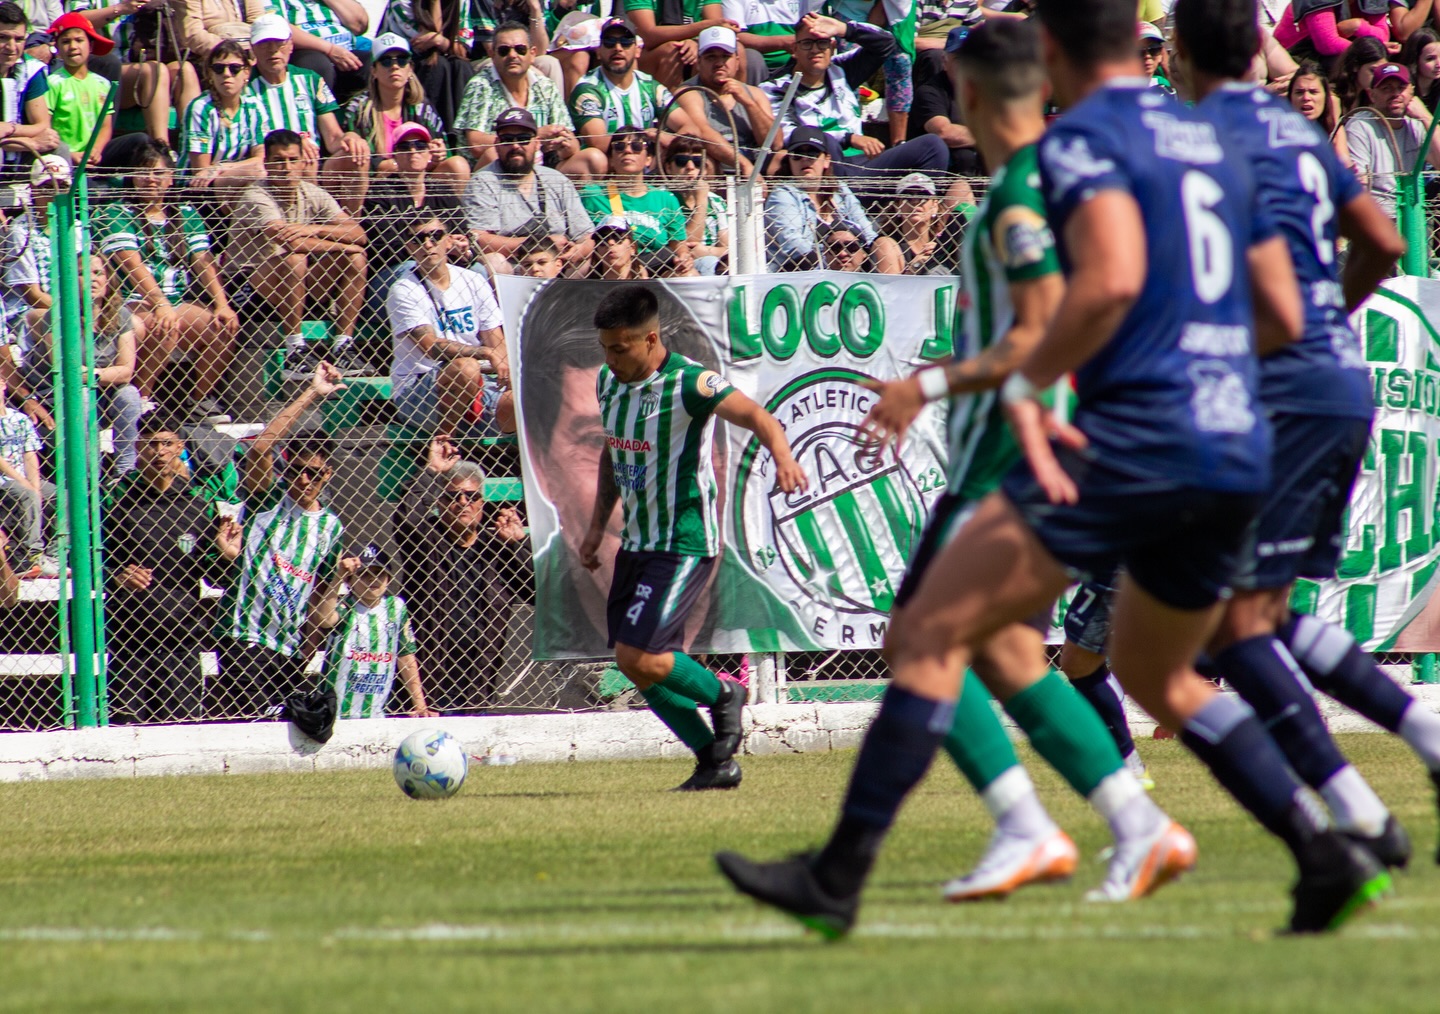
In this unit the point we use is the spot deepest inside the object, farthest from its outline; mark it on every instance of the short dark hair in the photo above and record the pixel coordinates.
(538, 243)
(13, 14)
(684, 146)
(509, 26)
(281, 138)
(228, 47)
(1090, 32)
(1002, 57)
(1221, 37)
(418, 217)
(632, 305)
(160, 422)
(308, 444)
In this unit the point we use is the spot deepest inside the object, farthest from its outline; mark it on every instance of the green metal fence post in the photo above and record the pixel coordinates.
(1410, 214)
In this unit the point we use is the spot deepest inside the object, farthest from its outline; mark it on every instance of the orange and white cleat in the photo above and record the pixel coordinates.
(1141, 866)
(1010, 862)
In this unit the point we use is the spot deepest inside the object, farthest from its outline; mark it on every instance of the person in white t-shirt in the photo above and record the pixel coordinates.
(448, 337)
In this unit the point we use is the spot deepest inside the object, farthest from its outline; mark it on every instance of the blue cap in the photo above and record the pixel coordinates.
(954, 39)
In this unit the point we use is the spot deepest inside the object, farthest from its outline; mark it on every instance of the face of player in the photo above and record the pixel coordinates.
(271, 58)
(632, 353)
(74, 46)
(618, 53)
(369, 585)
(1307, 95)
(1391, 96)
(542, 264)
(716, 67)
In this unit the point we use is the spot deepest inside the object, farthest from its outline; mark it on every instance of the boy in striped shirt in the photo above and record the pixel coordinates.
(658, 411)
(369, 642)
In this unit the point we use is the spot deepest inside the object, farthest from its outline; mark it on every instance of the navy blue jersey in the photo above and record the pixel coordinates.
(1302, 186)
(1173, 395)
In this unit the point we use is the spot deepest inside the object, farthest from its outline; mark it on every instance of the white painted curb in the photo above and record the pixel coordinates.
(136, 751)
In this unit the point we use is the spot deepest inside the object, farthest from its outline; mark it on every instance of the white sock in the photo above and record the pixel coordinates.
(1420, 728)
(1353, 803)
(1134, 764)
(1017, 810)
(1126, 807)
(295, 343)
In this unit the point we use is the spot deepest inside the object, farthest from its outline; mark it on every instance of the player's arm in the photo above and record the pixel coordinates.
(1275, 294)
(739, 410)
(1375, 246)
(607, 494)
(410, 676)
(1035, 301)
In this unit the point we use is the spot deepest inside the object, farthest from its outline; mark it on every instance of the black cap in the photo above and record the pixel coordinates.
(616, 26)
(805, 136)
(37, 39)
(516, 117)
(372, 557)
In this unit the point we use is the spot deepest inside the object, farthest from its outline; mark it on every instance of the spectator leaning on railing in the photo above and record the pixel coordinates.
(1385, 146)
(23, 84)
(513, 198)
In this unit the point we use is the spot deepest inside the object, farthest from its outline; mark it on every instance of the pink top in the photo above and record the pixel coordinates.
(1320, 29)
(388, 126)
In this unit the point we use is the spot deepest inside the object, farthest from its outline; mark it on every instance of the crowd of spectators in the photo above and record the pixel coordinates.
(355, 188)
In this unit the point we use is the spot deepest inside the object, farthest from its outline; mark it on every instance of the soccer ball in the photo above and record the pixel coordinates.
(430, 764)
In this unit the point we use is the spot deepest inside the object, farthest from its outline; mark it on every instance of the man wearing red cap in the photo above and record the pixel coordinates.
(1377, 158)
(77, 96)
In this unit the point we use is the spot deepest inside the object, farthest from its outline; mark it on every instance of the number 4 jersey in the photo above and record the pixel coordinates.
(1301, 186)
(1172, 395)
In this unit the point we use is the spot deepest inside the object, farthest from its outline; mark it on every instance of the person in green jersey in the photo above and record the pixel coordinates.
(670, 52)
(656, 222)
(617, 92)
(1012, 286)
(287, 552)
(369, 640)
(76, 97)
(657, 410)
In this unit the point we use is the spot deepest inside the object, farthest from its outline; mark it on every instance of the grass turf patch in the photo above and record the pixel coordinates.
(589, 887)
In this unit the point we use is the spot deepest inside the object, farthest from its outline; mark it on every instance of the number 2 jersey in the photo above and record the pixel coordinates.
(1301, 187)
(1173, 395)
(659, 433)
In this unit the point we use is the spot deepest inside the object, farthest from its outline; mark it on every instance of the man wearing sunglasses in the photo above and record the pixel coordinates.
(513, 199)
(509, 81)
(617, 92)
(463, 574)
(287, 550)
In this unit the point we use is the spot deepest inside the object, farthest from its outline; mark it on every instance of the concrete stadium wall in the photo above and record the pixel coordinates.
(252, 748)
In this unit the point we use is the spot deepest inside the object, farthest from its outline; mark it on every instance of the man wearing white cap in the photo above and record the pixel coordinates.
(740, 101)
(323, 33)
(298, 99)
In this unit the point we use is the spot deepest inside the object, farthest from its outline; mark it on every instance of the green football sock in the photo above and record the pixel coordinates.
(680, 716)
(689, 678)
(977, 742)
(1065, 730)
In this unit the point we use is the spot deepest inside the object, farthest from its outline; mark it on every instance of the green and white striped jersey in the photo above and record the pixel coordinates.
(287, 552)
(317, 19)
(297, 103)
(1008, 241)
(167, 246)
(362, 655)
(660, 433)
(205, 131)
(597, 97)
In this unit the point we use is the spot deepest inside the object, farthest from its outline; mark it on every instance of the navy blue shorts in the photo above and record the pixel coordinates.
(1298, 532)
(650, 597)
(947, 517)
(1087, 620)
(1181, 544)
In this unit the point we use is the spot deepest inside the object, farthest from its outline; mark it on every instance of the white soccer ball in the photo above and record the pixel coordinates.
(430, 764)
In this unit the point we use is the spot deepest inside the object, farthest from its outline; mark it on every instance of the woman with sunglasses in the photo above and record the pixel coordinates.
(689, 173)
(221, 131)
(440, 34)
(812, 199)
(160, 251)
(511, 81)
(393, 97)
(654, 215)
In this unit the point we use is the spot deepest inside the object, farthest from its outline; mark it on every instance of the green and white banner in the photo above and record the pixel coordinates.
(818, 571)
(813, 571)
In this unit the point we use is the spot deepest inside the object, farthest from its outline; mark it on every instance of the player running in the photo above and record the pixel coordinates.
(1162, 255)
(657, 409)
(1012, 285)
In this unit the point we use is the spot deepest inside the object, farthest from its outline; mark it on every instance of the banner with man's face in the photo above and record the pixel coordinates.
(818, 570)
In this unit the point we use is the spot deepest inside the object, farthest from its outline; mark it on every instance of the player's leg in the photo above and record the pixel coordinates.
(650, 597)
(1166, 608)
(1082, 660)
(1150, 848)
(993, 573)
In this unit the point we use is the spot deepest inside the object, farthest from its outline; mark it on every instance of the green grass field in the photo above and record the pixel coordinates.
(587, 887)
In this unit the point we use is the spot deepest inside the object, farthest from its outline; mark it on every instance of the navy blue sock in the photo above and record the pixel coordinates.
(894, 757)
(1263, 673)
(1337, 667)
(1103, 693)
(1231, 742)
